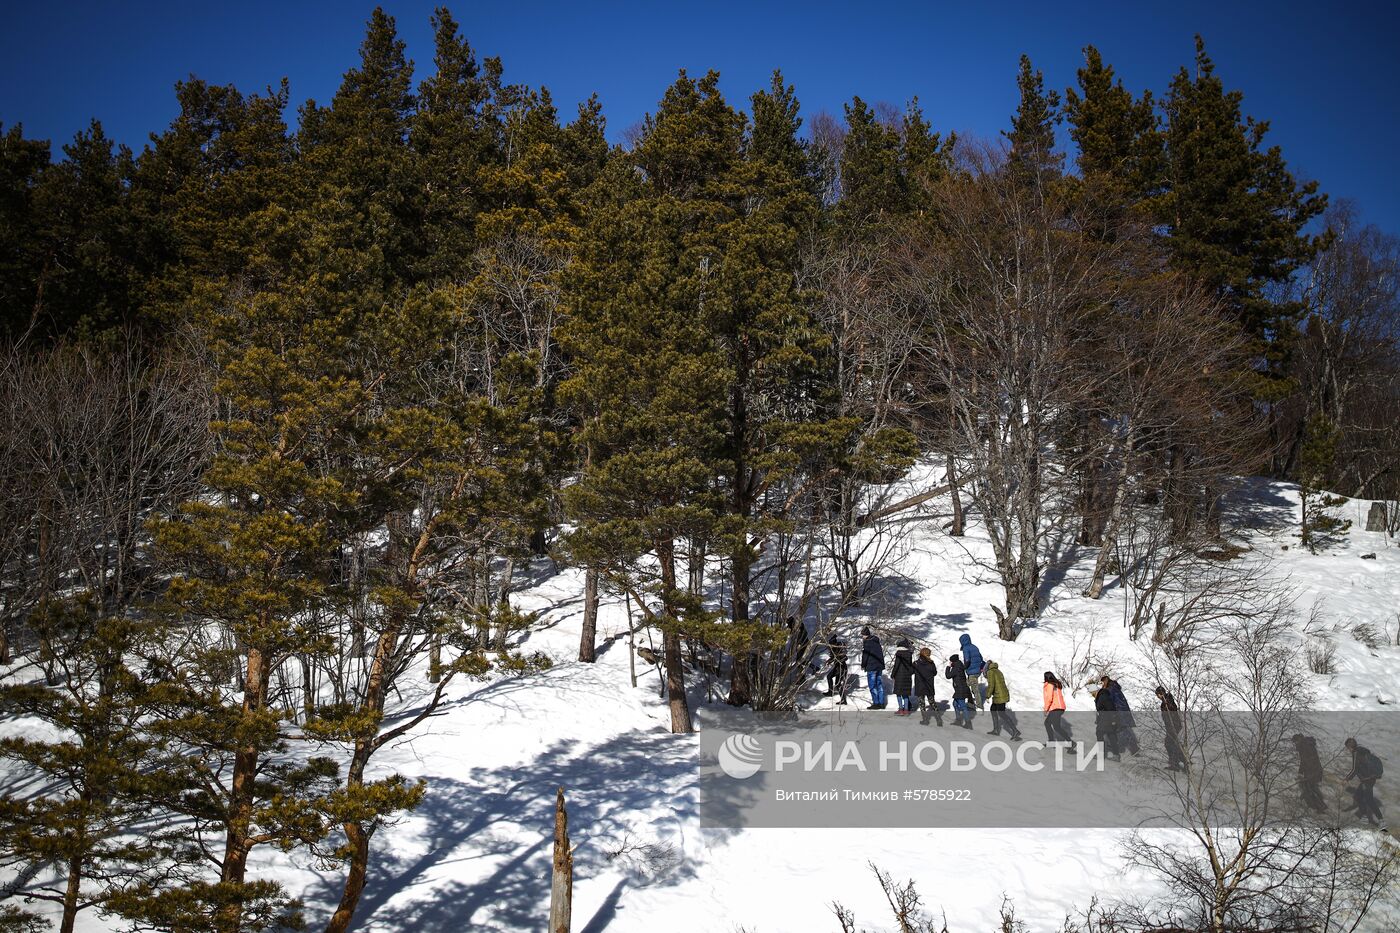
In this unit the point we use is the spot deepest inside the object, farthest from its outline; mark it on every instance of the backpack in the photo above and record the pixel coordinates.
(1368, 766)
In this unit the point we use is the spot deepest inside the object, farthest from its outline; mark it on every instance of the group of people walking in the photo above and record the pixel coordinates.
(978, 683)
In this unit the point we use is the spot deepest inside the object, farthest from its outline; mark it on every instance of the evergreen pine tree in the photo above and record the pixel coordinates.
(358, 167)
(1116, 134)
(872, 185)
(648, 382)
(1235, 217)
(455, 136)
(88, 272)
(96, 776)
(212, 197)
(1032, 155)
(926, 157)
(22, 162)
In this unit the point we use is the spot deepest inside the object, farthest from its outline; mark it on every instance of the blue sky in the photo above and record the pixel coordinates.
(1324, 75)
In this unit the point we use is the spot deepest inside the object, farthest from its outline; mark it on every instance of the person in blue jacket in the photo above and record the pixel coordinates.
(872, 661)
(1127, 738)
(972, 663)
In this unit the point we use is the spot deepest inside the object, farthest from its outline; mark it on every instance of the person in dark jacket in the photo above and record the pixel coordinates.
(962, 694)
(1106, 722)
(972, 663)
(799, 644)
(1309, 772)
(837, 669)
(925, 676)
(1127, 738)
(1172, 730)
(1366, 768)
(872, 661)
(902, 673)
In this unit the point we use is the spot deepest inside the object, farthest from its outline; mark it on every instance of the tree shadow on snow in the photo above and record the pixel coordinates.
(504, 818)
(1258, 504)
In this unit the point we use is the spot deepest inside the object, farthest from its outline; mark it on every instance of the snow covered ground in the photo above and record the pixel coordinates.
(476, 854)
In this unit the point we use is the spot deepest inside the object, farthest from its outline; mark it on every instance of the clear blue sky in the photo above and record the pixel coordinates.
(1324, 75)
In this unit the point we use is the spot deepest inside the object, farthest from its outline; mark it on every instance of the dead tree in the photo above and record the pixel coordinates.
(561, 886)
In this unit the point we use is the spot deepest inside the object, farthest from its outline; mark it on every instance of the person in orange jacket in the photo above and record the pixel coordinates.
(1053, 691)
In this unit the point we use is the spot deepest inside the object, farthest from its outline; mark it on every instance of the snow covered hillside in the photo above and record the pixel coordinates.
(476, 854)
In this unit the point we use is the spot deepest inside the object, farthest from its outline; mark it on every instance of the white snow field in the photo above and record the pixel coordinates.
(476, 854)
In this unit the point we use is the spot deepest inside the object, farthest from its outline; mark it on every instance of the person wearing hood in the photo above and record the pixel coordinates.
(972, 663)
(1106, 722)
(872, 661)
(1127, 738)
(925, 675)
(962, 694)
(902, 673)
(1172, 730)
(998, 694)
(1054, 695)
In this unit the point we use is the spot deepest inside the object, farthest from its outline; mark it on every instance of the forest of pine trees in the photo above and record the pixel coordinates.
(289, 402)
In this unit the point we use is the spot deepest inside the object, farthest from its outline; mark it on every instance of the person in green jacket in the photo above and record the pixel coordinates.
(998, 695)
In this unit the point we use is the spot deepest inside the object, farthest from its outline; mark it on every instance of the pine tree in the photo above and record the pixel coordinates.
(926, 157)
(872, 185)
(88, 272)
(1032, 156)
(211, 197)
(96, 780)
(1235, 216)
(455, 134)
(358, 166)
(444, 463)
(648, 382)
(1317, 461)
(1116, 134)
(22, 162)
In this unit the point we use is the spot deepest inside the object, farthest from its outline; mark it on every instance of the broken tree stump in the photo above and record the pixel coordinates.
(561, 888)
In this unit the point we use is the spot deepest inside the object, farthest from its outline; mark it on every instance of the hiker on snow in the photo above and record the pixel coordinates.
(1171, 727)
(1367, 769)
(972, 662)
(902, 673)
(962, 695)
(999, 695)
(872, 661)
(1054, 694)
(798, 642)
(1310, 773)
(837, 669)
(1106, 722)
(925, 675)
(1127, 738)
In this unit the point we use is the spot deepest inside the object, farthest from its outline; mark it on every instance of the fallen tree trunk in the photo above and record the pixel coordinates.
(869, 518)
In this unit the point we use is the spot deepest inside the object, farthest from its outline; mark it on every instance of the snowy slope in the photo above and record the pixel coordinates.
(476, 853)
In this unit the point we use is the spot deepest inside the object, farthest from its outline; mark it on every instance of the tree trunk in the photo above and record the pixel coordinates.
(561, 888)
(241, 795)
(588, 641)
(71, 893)
(357, 842)
(356, 835)
(1110, 531)
(954, 487)
(671, 641)
(308, 689)
(740, 689)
